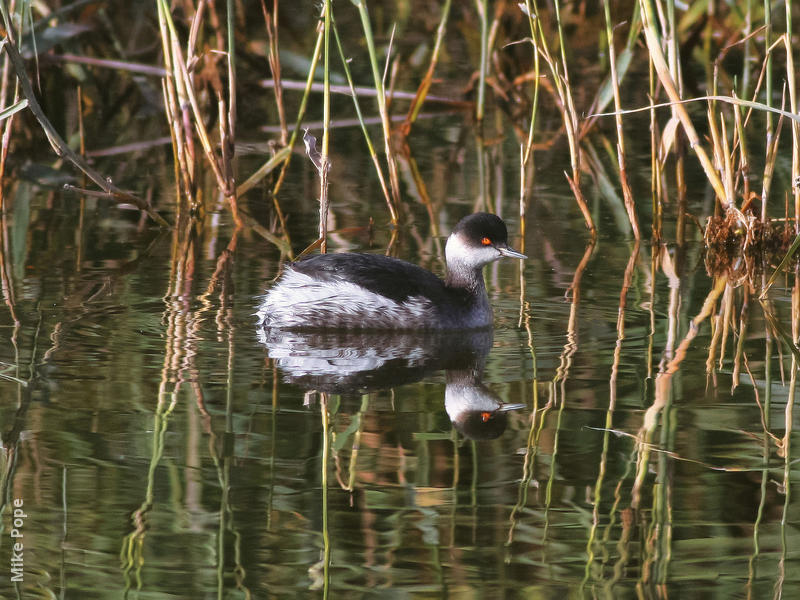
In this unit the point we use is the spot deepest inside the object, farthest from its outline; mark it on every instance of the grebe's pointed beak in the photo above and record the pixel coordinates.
(510, 407)
(510, 253)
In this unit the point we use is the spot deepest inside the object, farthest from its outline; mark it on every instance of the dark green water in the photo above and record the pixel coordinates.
(157, 451)
(160, 448)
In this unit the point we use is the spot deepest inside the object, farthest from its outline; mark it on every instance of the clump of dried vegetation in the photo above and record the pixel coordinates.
(744, 52)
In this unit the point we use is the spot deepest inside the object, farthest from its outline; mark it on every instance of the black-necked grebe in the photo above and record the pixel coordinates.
(371, 291)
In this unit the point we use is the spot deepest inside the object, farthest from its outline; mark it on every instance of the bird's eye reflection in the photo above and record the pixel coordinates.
(354, 362)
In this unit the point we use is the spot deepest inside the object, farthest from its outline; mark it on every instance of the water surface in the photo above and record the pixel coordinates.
(161, 447)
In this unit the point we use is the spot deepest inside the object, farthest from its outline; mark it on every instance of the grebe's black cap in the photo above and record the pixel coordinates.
(477, 228)
(479, 225)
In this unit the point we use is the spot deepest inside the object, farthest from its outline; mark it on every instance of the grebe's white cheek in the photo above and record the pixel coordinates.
(456, 250)
(487, 254)
(459, 252)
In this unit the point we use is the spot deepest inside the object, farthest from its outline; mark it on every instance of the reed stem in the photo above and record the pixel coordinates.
(373, 154)
(627, 194)
(483, 7)
(663, 71)
(382, 107)
(422, 91)
(326, 119)
(791, 84)
(536, 73)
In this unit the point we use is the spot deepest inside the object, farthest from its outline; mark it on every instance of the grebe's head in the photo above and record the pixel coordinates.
(478, 240)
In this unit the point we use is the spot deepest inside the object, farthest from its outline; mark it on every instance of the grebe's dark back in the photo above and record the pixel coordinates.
(371, 291)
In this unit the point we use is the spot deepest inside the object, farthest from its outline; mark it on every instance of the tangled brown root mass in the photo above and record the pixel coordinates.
(744, 250)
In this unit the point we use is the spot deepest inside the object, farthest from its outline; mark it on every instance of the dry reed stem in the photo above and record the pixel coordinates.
(183, 80)
(663, 71)
(425, 85)
(345, 90)
(627, 194)
(587, 215)
(296, 131)
(769, 165)
(177, 117)
(744, 159)
(721, 152)
(711, 98)
(326, 118)
(8, 123)
(656, 189)
(182, 160)
(791, 84)
(568, 113)
(271, 23)
(104, 63)
(183, 75)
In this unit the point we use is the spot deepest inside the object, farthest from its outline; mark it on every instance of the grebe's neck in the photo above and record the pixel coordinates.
(463, 271)
(465, 277)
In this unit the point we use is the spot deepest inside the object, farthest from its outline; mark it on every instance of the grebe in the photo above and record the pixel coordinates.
(371, 291)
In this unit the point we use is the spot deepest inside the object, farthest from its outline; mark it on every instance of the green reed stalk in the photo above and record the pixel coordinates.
(744, 86)
(381, 96)
(561, 40)
(791, 84)
(535, 102)
(767, 98)
(483, 8)
(373, 154)
(227, 130)
(326, 449)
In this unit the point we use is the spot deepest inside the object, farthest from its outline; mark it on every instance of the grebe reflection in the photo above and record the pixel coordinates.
(355, 362)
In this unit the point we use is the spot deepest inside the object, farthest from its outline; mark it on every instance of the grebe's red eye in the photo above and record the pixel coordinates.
(486, 241)
(485, 416)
